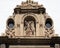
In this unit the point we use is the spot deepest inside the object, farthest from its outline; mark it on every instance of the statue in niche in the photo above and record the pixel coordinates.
(29, 28)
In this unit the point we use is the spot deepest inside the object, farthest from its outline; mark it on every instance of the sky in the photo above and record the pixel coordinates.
(52, 8)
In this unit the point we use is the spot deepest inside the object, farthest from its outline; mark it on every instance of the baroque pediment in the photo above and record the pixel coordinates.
(29, 5)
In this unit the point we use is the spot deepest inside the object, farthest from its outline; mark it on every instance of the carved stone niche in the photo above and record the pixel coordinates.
(29, 26)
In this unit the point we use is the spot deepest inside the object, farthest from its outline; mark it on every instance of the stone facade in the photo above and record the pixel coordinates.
(30, 20)
(29, 27)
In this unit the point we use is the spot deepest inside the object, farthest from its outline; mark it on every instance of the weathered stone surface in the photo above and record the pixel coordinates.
(29, 27)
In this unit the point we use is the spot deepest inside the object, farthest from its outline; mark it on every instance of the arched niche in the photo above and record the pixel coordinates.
(29, 24)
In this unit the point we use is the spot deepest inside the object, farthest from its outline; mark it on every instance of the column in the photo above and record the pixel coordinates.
(2, 46)
(57, 46)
